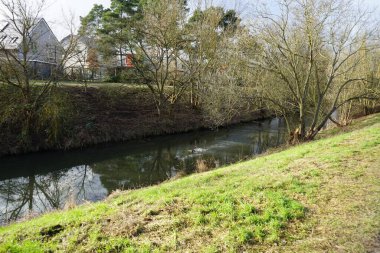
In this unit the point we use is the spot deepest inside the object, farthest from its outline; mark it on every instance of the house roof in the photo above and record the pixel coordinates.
(10, 37)
(79, 38)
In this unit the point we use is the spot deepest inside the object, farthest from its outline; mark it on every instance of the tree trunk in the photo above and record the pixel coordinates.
(302, 123)
(31, 186)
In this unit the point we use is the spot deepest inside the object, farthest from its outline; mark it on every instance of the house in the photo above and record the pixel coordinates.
(43, 51)
(123, 59)
(87, 62)
(76, 66)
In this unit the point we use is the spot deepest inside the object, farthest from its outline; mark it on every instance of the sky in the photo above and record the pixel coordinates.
(58, 11)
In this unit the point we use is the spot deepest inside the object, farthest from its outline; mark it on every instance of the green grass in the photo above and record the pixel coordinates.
(322, 196)
(103, 85)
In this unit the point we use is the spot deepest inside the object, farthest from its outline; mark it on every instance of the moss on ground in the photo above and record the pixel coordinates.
(322, 196)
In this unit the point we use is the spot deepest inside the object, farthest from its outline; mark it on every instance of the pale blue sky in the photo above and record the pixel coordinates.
(57, 9)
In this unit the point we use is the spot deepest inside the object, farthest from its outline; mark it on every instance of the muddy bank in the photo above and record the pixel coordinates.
(101, 115)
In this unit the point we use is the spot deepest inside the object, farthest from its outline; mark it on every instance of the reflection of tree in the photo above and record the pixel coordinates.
(141, 169)
(269, 136)
(132, 166)
(39, 193)
(163, 160)
(81, 187)
(12, 193)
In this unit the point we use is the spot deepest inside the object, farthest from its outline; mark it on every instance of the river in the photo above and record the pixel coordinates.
(36, 183)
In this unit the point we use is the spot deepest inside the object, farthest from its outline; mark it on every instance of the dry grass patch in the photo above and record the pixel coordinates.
(322, 196)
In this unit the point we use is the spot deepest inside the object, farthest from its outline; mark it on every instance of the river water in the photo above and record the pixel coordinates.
(37, 183)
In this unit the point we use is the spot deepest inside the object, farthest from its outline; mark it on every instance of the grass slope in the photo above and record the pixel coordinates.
(322, 196)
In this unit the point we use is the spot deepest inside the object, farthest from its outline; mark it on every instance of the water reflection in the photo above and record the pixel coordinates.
(34, 194)
(37, 183)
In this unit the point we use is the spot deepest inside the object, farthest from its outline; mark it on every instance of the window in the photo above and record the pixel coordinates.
(33, 47)
(52, 53)
(2, 38)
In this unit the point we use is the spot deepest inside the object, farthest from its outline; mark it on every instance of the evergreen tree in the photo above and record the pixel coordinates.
(111, 27)
(91, 23)
(229, 19)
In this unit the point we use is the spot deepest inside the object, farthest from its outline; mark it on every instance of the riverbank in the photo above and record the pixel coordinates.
(114, 113)
(321, 196)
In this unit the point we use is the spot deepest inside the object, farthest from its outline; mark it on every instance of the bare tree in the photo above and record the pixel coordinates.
(93, 62)
(23, 45)
(309, 54)
(77, 66)
(222, 87)
(157, 49)
(216, 59)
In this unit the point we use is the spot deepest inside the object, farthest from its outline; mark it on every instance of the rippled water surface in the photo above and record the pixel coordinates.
(37, 183)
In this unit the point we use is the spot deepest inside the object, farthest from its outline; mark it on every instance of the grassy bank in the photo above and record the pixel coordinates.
(322, 196)
(109, 113)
